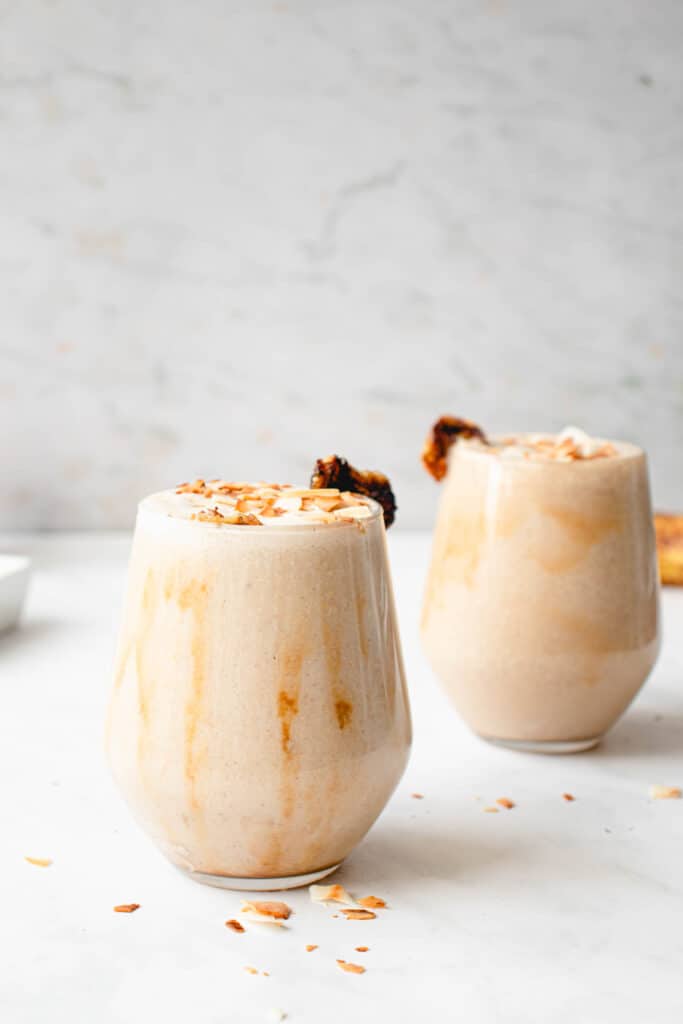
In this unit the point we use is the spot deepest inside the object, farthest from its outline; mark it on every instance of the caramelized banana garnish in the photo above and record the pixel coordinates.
(445, 432)
(334, 471)
(669, 530)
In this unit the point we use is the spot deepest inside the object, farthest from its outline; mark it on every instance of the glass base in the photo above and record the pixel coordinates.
(259, 884)
(546, 746)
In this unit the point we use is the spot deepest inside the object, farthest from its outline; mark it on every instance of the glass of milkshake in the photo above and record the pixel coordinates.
(259, 719)
(541, 611)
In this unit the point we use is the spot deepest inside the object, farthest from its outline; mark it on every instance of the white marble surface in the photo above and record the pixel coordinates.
(238, 234)
(553, 911)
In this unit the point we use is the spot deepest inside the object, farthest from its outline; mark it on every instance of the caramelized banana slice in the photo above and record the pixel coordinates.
(444, 434)
(334, 471)
(669, 530)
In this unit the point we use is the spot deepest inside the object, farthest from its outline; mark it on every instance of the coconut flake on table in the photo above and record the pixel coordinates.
(331, 894)
(266, 912)
(372, 902)
(350, 968)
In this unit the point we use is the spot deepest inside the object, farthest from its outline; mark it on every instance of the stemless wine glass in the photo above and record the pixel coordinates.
(259, 719)
(541, 612)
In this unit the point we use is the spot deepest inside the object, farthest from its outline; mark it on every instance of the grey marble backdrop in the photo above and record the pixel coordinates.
(236, 235)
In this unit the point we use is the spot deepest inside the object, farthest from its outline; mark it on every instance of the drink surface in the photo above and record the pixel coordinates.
(228, 503)
(571, 445)
(541, 607)
(259, 718)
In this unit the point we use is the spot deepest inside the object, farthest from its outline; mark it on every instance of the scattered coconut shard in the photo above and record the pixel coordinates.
(39, 862)
(126, 908)
(505, 801)
(234, 925)
(445, 432)
(362, 949)
(351, 914)
(331, 894)
(665, 793)
(310, 947)
(568, 797)
(350, 968)
(266, 911)
(417, 796)
(372, 902)
(335, 472)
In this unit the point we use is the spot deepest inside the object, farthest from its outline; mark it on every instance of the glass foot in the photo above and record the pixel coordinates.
(259, 884)
(546, 746)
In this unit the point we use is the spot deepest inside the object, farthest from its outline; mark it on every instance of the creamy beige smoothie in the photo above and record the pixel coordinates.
(541, 608)
(259, 719)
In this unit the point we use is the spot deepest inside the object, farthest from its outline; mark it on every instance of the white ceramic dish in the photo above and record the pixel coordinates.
(15, 571)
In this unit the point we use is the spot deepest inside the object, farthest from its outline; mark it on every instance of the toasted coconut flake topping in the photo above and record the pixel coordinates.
(505, 802)
(39, 862)
(350, 512)
(362, 949)
(358, 915)
(290, 503)
(417, 796)
(331, 894)
(126, 908)
(272, 512)
(570, 445)
(251, 970)
(665, 793)
(198, 487)
(373, 902)
(310, 947)
(237, 518)
(445, 432)
(350, 968)
(234, 925)
(568, 797)
(243, 519)
(268, 911)
(224, 503)
(334, 504)
(335, 472)
(555, 449)
(491, 810)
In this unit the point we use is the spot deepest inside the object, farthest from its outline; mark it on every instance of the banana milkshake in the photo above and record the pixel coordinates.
(541, 612)
(259, 720)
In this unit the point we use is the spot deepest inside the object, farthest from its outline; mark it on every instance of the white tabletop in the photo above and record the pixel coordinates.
(570, 913)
